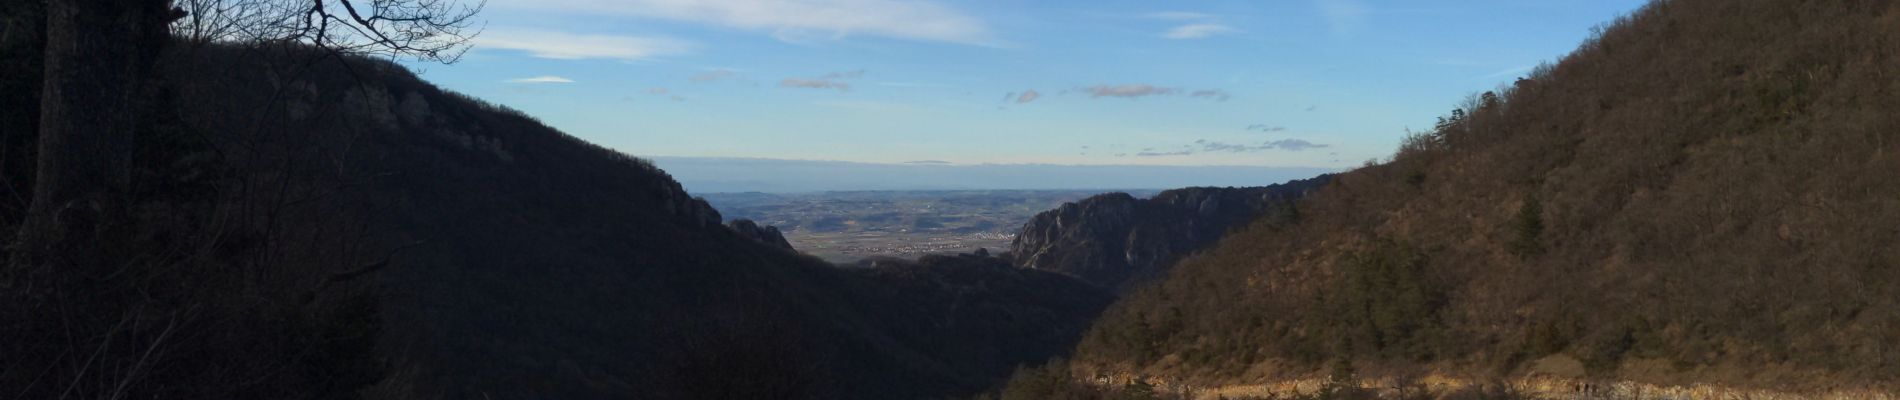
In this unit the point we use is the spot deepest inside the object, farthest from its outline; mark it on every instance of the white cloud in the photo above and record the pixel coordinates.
(542, 79)
(898, 19)
(1197, 31)
(571, 46)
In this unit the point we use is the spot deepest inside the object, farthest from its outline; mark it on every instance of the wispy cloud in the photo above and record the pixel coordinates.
(1216, 94)
(541, 79)
(1295, 145)
(1198, 31)
(834, 80)
(1028, 96)
(929, 21)
(1346, 17)
(714, 75)
(1282, 144)
(572, 46)
(1198, 25)
(814, 84)
(1128, 91)
(1206, 146)
(1145, 90)
(1164, 153)
(1266, 128)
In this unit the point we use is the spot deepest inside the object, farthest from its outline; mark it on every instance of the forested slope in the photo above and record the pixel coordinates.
(1703, 192)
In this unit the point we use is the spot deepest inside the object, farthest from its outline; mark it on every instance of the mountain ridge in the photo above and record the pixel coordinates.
(309, 225)
(1118, 241)
(1694, 196)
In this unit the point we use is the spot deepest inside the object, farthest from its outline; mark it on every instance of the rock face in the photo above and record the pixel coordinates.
(1116, 240)
(769, 235)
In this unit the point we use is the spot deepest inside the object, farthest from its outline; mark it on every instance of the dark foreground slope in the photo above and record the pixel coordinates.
(309, 228)
(1705, 192)
(1116, 240)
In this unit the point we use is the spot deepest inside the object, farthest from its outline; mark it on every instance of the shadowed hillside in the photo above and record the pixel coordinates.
(1703, 192)
(309, 226)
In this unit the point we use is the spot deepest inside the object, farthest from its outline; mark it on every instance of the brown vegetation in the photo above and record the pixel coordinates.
(1703, 192)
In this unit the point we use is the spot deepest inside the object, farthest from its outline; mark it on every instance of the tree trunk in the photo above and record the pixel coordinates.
(98, 56)
(21, 47)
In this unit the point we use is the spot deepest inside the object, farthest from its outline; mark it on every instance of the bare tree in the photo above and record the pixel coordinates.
(431, 30)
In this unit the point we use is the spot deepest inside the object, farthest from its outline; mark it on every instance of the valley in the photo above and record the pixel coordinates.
(242, 200)
(847, 226)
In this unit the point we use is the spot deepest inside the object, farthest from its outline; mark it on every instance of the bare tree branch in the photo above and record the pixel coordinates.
(428, 30)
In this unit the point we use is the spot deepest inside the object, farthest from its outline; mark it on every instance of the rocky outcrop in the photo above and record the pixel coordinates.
(769, 235)
(1116, 240)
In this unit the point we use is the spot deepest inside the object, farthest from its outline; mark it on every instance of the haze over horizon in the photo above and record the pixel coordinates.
(731, 175)
(1323, 84)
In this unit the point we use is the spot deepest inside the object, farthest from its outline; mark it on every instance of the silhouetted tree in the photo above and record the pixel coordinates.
(98, 57)
(429, 30)
(128, 271)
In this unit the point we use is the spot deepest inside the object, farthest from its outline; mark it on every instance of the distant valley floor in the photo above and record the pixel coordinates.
(845, 227)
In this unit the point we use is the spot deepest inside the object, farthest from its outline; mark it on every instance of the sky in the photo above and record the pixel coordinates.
(1282, 83)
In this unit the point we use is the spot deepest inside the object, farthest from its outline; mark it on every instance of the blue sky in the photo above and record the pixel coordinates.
(1308, 83)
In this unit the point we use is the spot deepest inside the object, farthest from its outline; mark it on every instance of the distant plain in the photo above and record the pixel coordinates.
(848, 226)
